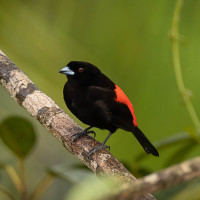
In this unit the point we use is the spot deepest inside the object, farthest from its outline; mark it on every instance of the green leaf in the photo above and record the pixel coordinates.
(189, 190)
(72, 172)
(91, 188)
(2, 165)
(18, 134)
(181, 153)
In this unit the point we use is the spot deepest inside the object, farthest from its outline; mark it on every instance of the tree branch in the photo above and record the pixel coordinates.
(160, 180)
(58, 123)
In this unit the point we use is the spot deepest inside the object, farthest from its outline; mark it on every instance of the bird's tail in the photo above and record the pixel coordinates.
(144, 141)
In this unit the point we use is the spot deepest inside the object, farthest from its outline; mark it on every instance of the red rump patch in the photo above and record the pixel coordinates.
(122, 98)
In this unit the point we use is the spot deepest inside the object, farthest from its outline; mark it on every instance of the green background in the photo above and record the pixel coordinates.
(129, 41)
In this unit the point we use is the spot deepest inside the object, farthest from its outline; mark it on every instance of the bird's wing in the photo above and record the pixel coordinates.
(100, 93)
(101, 99)
(122, 117)
(120, 114)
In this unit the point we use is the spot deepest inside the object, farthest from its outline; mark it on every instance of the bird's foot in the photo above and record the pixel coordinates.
(98, 148)
(92, 132)
(77, 136)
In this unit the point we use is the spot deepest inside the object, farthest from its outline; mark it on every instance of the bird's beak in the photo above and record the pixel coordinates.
(66, 70)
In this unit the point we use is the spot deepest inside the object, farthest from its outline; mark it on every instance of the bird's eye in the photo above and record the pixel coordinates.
(80, 70)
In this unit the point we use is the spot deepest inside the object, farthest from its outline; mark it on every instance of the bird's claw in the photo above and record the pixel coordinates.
(98, 148)
(81, 134)
(76, 136)
(92, 132)
(107, 147)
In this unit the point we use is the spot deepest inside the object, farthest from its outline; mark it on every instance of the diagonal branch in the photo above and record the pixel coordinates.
(58, 123)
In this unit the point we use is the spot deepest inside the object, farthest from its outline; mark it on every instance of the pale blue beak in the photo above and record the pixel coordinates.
(66, 70)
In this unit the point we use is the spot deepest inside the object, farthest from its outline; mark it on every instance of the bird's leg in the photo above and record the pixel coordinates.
(101, 146)
(83, 133)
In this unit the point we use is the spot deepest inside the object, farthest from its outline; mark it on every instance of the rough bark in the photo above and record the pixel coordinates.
(58, 123)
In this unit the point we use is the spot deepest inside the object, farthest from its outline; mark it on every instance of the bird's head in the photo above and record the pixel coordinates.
(81, 72)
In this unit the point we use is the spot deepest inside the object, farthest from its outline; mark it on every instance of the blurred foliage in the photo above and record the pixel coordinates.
(129, 41)
(71, 172)
(184, 191)
(91, 189)
(189, 191)
(18, 134)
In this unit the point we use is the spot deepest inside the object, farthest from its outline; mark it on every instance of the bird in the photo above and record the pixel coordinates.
(98, 102)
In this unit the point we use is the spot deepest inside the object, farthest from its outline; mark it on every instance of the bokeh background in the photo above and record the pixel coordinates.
(130, 42)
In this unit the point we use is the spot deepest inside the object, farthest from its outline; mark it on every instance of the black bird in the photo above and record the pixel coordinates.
(96, 101)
